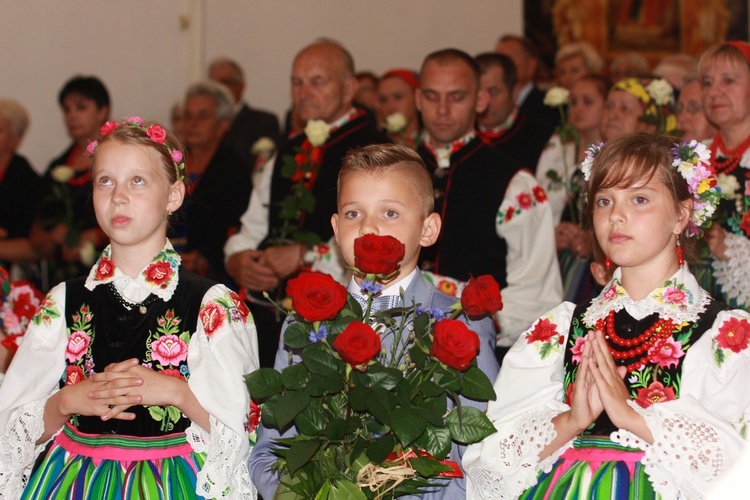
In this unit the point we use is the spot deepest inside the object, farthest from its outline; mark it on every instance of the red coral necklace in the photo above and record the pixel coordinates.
(655, 336)
(733, 156)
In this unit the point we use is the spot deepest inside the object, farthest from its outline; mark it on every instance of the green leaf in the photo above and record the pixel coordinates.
(379, 404)
(358, 397)
(449, 379)
(333, 383)
(338, 428)
(310, 420)
(341, 322)
(432, 411)
(295, 377)
(306, 201)
(319, 360)
(407, 425)
(472, 427)
(428, 467)
(289, 406)
(545, 350)
(346, 490)
(436, 441)
(297, 336)
(263, 383)
(719, 356)
(354, 306)
(378, 376)
(421, 323)
(288, 167)
(157, 412)
(381, 448)
(267, 414)
(315, 387)
(173, 412)
(300, 453)
(430, 389)
(475, 385)
(418, 356)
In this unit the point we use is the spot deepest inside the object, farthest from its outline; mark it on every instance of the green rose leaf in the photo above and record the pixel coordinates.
(300, 453)
(333, 383)
(379, 404)
(475, 385)
(297, 336)
(263, 383)
(345, 490)
(430, 389)
(315, 387)
(289, 405)
(358, 397)
(310, 420)
(379, 376)
(319, 360)
(472, 427)
(436, 441)
(381, 448)
(295, 377)
(428, 467)
(267, 415)
(407, 425)
(432, 410)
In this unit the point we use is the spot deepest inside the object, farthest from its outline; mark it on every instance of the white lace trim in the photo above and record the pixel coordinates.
(686, 455)
(224, 473)
(732, 274)
(17, 448)
(518, 463)
(628, 439)
(614, 297)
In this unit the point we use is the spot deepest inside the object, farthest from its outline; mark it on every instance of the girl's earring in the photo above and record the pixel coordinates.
(169, 213)
(680, 256)
(607, 263)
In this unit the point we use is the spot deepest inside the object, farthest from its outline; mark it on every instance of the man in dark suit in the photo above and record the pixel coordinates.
(248, 124)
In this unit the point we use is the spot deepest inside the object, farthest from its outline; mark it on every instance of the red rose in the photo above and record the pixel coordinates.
(212, 316)
(105, 270)
(357, 344)
(481, 296)
(454, 344)
(734, 334)
(253, 418)
(543, 331)
(379, 255)
(524, 200)
(157, 134)
(745, 223)
(655, 393)
(539, 194)
(316, 296)
(108, 128)
(158, 273)
(73, 375)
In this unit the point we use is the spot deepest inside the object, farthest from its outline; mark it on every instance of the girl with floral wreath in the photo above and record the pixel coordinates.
(725, 75)
(131, 376)
(640, 392)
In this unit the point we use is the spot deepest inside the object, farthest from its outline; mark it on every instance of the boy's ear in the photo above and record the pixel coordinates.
(430, 230)
(335, 226)
(176, 196)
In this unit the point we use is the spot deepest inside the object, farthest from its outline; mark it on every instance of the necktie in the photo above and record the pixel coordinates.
(380, 303)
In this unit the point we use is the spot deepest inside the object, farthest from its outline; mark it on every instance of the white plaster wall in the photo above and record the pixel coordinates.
(146, 59)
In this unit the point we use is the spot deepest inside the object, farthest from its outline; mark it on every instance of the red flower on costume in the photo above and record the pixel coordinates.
(539, 194)
(357, 344)
(509, 213)
(668, 353)
(78, 345)
(454, 344)
(481, 296)
(745, 223)
(734, 334)
(172, 372)
(543, 331)
(212, 316)
(240, 305)
(316, 296)
(379, 255)
(169, 350)
(569, 394)
(654, 393)
(524, 201)
(577, 349)
(105, 269)
(73, 375)
(158, 273)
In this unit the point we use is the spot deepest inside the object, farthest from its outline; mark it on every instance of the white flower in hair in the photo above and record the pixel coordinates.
(591, 153)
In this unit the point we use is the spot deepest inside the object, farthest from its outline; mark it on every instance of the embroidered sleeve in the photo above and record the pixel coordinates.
(327, 258)
(529, 394)
(222, 350)
(733, 274)
(533, 274)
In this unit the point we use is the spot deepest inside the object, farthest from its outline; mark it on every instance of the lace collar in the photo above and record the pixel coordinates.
(680, 299)
(160, 277)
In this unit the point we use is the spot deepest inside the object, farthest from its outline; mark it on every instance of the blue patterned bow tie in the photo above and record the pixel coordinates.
(380, 303)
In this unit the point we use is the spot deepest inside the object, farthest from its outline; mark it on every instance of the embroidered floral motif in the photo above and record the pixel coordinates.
(47, 312)
(523, 202)
(654, 393)
(674, 294)
(733, 336)
(545, 337)
(158, 274)
(105, 269)
(73, 375)
(667, 355)
(213, 314)
(169, 350)
(78, 350)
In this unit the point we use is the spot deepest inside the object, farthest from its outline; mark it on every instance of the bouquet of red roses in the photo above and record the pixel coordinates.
(371, 423)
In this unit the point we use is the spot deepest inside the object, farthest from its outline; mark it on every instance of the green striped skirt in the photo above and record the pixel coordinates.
(103, 466)
(595, 469)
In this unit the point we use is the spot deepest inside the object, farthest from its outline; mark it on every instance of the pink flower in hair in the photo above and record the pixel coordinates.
(134, 120)
(157, 134)
(177, 156)
(91, 148)
(108, 128)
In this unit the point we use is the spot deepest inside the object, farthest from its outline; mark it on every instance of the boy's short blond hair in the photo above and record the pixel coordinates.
(380, 158)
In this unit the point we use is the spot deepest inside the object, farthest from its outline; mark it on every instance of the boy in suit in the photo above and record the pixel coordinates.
(385, 190)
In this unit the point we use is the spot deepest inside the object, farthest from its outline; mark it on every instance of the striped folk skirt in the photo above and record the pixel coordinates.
(104, 466)
(594, 469)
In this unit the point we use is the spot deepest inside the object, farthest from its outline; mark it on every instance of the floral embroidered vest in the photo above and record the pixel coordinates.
(659, 380)
(102, 331)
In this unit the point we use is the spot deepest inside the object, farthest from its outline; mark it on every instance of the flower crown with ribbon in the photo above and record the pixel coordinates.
(154, 131)
(692, 161)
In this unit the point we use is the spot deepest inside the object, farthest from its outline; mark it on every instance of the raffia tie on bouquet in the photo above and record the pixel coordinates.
(375, 476)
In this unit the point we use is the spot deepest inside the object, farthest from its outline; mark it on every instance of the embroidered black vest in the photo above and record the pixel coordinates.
(116, 334)
(656, 382)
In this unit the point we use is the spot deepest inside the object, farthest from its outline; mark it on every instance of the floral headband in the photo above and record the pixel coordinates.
(154, 131)
(692, 161)
(656, 97)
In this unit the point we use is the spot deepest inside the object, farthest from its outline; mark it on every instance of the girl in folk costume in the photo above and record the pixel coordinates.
(641, 391)
(725, 76)
(133, 375)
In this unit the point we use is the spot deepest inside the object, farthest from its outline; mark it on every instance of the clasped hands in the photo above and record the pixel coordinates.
(259, 270)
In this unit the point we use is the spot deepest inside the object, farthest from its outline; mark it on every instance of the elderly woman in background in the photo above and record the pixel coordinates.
(631, 108)
(559, 173)
(725, 75)
(576, 60)
(691, 120)
(65, 232)
(397, 109)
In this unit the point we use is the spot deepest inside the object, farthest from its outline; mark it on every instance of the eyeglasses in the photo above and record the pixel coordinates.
(692, 108)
